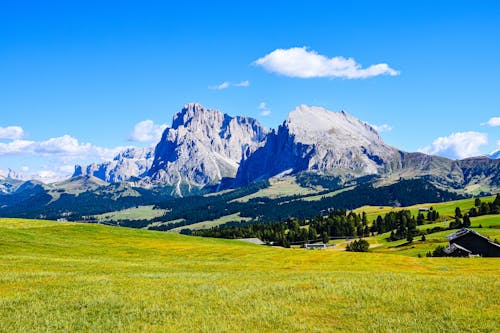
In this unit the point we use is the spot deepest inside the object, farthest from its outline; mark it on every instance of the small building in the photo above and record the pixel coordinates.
(467, 242)
(423, 209)
(455, 250)
(319, 246)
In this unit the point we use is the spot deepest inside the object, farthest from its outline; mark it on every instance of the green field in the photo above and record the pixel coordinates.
(445, 209)
(93, 278)
(134, 213)
(280, 188)
(487, 225)
(213, 223)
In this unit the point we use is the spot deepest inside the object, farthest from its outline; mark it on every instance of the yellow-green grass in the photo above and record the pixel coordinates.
(445, 209)
(159, 223)
(134, 213)
(92, 278)
(485, 221)
(281, 187)
(213, 223)
(490, 227)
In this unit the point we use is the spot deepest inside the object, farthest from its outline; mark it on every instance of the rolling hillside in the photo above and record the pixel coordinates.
(87, 277)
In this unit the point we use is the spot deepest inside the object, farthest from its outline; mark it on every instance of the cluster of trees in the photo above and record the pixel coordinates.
(400, 223)
(337, 224)
(485, 208)
(438, 252)
(359, 245)
(341, 223)
(480, 208)
(266, 210)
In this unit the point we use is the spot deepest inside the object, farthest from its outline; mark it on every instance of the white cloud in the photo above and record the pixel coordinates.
(64, 145)
(147, 131)
(25, 168)
(11, 132)
(65, 148)
(457, 145)
(223, 85)
(245, 83)
(493, 122)
(48, 176)
(303, 63)
(382, 128)
(264, 110)
(227, 84)
(16, 147)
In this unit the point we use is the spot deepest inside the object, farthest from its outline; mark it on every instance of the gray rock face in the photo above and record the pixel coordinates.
(202, 147)
(315, 139)
(11, 181)
(334, 143)
(127, 165)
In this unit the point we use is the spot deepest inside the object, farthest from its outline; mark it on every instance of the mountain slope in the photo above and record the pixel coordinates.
(315, 139)
(202, 147)
(130, 164)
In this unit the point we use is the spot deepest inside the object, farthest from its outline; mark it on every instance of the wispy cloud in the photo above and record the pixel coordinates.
(382, 128)
(264, 110)
(227, 84)
(493, 122)
(223, 85)
(245, 83)
(304, 63)
(457, 145)
(11, 132)
(147, 131)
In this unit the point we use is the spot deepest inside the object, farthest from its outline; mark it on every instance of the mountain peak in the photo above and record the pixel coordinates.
(315, 139)
(13, 174)
(193, 114)
(312, 124)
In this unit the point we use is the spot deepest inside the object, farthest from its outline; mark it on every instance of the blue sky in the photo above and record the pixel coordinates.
(77, 77)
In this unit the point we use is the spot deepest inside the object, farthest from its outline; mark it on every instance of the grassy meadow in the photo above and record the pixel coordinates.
(134, 213)
(445, 209)
(93, 278)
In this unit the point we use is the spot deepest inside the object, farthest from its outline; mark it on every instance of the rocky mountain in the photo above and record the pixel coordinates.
(10, 182)
(202, 147)
(130, 164)
(205, 150)
(317, 140)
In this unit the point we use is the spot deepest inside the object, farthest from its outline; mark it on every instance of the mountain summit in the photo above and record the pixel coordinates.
(132, 163)
(315, 139)
(202, 147)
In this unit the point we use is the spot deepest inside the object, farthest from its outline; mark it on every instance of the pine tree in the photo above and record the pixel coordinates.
(409, 238)
(466, 222)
